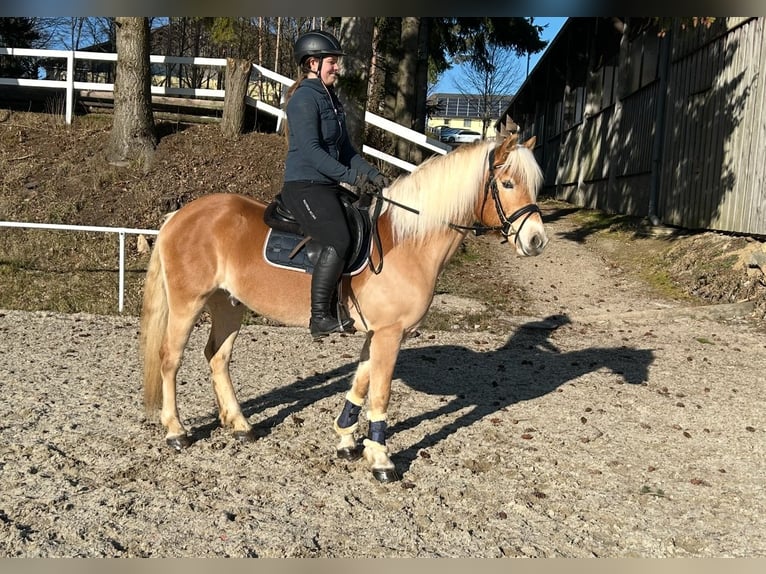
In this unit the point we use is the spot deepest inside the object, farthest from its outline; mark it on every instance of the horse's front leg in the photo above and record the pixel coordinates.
(347, 422)
(384, 349)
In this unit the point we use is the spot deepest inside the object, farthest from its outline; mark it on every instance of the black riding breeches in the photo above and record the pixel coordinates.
(318, 210)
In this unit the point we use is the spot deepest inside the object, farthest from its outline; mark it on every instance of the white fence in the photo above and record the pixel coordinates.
(120, 231)
(70, 85)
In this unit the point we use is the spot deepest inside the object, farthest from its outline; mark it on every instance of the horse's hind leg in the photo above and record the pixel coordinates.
(179, 328)
(226, 322)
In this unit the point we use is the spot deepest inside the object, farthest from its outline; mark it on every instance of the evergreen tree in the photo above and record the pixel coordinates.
(18, 33)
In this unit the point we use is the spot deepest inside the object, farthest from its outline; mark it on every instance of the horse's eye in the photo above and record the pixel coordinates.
(507, 183)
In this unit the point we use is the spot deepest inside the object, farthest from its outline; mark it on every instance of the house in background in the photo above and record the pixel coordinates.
(465, 111)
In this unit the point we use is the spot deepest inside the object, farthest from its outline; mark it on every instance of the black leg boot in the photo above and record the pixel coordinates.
(324, 281)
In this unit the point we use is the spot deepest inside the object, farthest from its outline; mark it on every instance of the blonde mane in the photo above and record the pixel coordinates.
(444, 189)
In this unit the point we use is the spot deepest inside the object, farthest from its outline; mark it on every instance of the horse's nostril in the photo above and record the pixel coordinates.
(538, 242)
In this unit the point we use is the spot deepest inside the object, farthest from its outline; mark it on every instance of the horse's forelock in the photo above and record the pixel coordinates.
(522, 164)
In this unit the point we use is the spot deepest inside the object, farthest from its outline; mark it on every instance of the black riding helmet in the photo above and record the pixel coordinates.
(316, 43)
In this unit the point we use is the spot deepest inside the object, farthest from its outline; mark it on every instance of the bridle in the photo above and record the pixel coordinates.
(506, 227)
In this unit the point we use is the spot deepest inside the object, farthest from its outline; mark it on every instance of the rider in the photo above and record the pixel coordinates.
(319, 157)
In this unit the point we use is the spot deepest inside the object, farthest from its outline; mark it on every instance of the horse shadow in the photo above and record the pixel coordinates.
(527, 366)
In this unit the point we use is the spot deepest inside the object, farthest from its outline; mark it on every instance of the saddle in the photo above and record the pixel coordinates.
(286, 245)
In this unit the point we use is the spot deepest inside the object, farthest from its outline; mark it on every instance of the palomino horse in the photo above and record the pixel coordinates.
(207, 255)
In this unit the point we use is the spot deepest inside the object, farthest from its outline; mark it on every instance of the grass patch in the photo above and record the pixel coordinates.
(68, 272)
(660, 280)
(658, 492)
(475, 272)
(594, 221)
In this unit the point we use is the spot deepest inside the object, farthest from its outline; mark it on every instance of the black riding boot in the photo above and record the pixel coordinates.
(324, 281)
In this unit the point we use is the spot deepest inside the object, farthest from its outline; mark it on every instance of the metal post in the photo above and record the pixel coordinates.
(122, 270)
(69, 86)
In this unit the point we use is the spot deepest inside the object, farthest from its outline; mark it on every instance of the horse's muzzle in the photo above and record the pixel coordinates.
(531, 239)
(534, 245)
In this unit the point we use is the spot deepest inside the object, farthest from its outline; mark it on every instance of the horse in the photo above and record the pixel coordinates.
(207, 256)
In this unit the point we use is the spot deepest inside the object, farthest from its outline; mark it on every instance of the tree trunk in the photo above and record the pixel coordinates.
(356, 39)
(276, 46)
(406, 80)
(421, 87)
(132, 136)
(237, 78)
(261, 34)
(391, 54)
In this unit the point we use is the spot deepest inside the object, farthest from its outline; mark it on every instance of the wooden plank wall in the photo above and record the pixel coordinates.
(713, 166)
(712, 171)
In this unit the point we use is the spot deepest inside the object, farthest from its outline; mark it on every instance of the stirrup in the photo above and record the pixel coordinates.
(332, 325)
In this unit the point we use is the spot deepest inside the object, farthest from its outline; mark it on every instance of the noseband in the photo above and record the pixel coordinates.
(506, 227)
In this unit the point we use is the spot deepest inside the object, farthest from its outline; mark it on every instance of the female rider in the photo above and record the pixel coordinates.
(319, 157)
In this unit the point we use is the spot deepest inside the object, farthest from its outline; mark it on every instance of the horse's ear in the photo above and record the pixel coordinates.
(505, 147)
(530, 143)
(507, 128)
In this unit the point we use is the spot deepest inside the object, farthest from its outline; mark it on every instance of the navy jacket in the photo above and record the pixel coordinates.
(319, 148)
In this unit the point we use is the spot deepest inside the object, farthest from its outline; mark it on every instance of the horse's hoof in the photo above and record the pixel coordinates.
(386, 474)
(349, 452)
(244, 436)
(178, 443)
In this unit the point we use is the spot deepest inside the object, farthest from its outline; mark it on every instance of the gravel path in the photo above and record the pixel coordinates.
(607, 422)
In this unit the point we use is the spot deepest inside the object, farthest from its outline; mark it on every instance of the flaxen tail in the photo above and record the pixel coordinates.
(154, 320)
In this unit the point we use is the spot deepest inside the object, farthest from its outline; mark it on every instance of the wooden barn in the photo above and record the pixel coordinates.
(655, 119)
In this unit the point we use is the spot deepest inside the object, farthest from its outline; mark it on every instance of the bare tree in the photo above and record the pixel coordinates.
(407, 79)
(490, 85)
(237, 77)
(132, 136)
(421, 85)
(278, 41)
(261, 36)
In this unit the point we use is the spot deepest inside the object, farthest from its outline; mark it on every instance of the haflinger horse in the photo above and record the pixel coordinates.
(208, 254)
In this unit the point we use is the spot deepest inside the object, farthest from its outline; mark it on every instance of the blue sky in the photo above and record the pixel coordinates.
(447, 82)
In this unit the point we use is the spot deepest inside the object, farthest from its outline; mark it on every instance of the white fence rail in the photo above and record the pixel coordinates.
(120, 231)
(70, 85)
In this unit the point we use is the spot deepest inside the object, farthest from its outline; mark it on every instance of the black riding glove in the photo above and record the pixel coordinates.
(381, 181)
(361, 181)
(366, 187)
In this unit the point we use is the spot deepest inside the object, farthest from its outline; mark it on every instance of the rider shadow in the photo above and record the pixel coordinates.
(527, 366)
